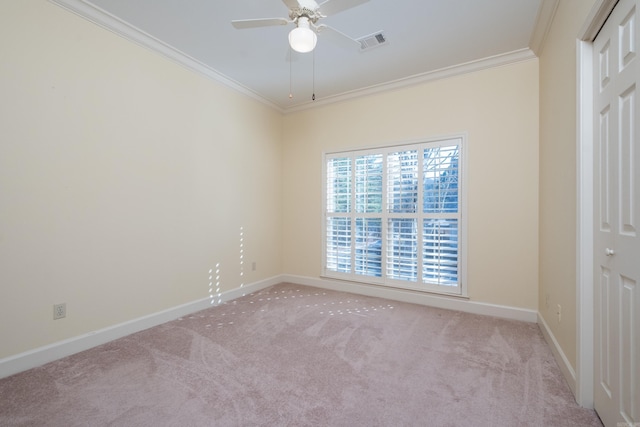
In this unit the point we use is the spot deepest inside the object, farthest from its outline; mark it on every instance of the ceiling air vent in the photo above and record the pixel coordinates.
(371, 41)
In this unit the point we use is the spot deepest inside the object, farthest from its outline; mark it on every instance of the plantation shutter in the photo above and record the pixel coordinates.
(392, 216)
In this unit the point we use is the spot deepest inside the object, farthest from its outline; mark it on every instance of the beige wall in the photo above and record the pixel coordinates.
(123, 179)
(497, 109)
(115, 167)
(558, 188)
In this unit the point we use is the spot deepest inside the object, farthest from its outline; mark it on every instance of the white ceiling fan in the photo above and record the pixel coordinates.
(305, 14)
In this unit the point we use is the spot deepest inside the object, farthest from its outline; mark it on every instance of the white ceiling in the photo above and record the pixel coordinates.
(424, 37)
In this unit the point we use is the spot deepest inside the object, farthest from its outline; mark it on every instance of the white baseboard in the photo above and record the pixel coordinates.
(416, 297)
(39, 356)
(561, 359)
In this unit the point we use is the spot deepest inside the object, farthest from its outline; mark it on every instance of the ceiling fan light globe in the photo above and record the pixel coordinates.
(302, 39)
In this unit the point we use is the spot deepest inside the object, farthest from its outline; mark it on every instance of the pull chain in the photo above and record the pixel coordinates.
(290, 73)
(313, 97)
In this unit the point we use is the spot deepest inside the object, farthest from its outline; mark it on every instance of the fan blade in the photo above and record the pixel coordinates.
(241, 24)
(291, 4)
(331, 7)
(338, 37)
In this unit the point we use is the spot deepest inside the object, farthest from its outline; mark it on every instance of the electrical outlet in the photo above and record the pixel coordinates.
(59, 311)
(559, 312)
(253, 266)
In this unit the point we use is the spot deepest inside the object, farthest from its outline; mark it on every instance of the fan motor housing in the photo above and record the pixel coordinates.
(299, 12)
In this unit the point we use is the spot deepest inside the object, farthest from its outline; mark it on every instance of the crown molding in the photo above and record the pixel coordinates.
(102, 18)
(596, 19)
(442, 73)
(546, 13)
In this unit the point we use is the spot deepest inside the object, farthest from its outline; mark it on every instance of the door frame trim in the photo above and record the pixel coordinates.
(585, 367)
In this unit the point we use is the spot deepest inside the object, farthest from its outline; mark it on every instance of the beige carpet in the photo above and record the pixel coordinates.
(298, 356)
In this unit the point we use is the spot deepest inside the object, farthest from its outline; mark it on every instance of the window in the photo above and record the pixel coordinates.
(393, 216)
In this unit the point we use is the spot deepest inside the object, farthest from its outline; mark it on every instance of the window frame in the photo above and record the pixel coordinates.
(418, 285)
